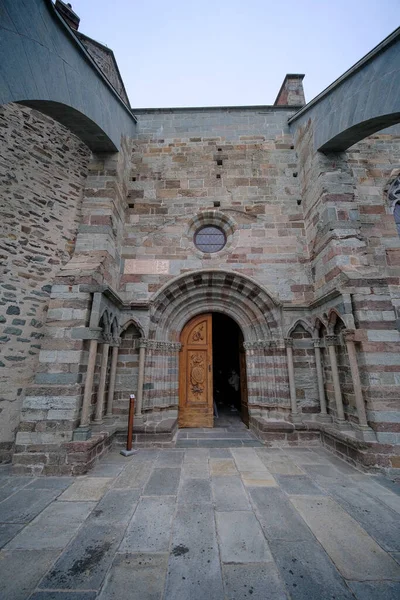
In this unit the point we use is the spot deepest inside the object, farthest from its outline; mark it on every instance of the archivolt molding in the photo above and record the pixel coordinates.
(255, 311)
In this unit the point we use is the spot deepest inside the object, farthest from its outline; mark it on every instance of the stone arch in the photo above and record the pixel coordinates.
(319, 325)
(104, 323)
(255, 310)
(135, 323)
(334, 317)
(300, 322)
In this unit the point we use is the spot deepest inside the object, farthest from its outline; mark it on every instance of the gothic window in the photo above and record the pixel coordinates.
(210, 239)
(394, 199)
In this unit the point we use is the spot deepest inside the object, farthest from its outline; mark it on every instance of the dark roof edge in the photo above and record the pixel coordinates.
(390, 39)
(267, 107)
(87, 56)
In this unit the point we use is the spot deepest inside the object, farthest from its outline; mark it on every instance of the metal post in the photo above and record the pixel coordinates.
(129, 451)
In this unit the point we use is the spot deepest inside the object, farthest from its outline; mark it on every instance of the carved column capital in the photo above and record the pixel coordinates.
(289, 342)
(317, 342)
(349, 335)
(331, 340)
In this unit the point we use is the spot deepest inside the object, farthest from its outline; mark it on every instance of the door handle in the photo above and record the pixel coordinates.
(209, 368)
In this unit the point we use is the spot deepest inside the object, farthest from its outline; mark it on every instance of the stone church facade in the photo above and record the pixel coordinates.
(118, 266)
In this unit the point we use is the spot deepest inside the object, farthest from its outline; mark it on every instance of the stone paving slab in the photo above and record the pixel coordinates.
(163, 482)
(375, 517)
(308, 572)
(43, 595)
(386, 590)
(29, 565)
(86, 489)
(229, 494)
(24, 506)
(277, 516)
(8, 531)
(222, 467)
(258, 581)
(136, 576)
(195, 491)
(241, 538)
(299, 485)
(87, 559)
(194, 569)
(354, 552)
(150, 528)
(54, 527)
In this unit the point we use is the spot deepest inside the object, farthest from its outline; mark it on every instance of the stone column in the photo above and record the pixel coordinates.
(367, 433)
(102, 385)
(292, 387)
(87, 396)
(113, 373)
(139, 396)
(323, 416)
(331, 342)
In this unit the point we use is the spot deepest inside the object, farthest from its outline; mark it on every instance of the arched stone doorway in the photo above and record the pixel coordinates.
(250, 306)
(212, 373)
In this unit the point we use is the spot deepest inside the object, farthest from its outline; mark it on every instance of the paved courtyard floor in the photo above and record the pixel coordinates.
(202, 524)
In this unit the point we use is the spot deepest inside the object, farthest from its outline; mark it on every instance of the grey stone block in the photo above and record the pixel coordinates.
(194, 569)
(11, 485)
(135, 475)
(298, 485)
(137, 576)
(253, 581)
(25, 505)
(220, 453)
(195, 491)
(87, 559)
(169, 458)
(376, 590)
(117, 506)
(63, 596)
(375, 517)
(354, 552)
(150, 528)
(107, 469)
(229, 494)
(54, 527)
(278, 518)
(86, 489)
(49, 483)
(308, 572)
(30, 565)
(163, 482)
(8, 531)
(241, 538)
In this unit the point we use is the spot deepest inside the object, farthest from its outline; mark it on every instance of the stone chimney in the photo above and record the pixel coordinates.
(65, 10)
(291, 92)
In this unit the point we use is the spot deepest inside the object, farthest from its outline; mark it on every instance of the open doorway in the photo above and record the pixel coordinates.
(212, 373)
(229, 369)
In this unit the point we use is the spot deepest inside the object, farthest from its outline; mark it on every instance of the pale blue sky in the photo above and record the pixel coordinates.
(226, 52)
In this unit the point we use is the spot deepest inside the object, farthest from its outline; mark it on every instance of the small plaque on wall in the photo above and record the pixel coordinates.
(145, 267)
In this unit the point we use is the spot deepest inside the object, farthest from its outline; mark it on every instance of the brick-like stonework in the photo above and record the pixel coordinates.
(42, 171)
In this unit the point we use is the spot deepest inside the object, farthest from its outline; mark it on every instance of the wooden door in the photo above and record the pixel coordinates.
(243, 383)
(195, 374)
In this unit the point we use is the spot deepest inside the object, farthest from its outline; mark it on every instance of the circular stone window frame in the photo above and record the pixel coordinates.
(212, 218)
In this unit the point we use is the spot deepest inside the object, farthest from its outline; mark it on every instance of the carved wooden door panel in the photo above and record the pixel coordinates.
(196, 377)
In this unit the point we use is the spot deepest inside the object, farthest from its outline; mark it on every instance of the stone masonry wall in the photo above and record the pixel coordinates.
(239, 163)
(42, 174)
(354, 247)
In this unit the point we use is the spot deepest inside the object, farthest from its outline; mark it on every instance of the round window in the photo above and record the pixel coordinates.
(209, 239)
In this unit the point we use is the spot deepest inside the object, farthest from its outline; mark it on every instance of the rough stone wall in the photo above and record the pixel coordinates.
(42, 173)
(240, 163)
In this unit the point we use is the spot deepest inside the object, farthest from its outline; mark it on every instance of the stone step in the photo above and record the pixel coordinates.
(217, 443)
